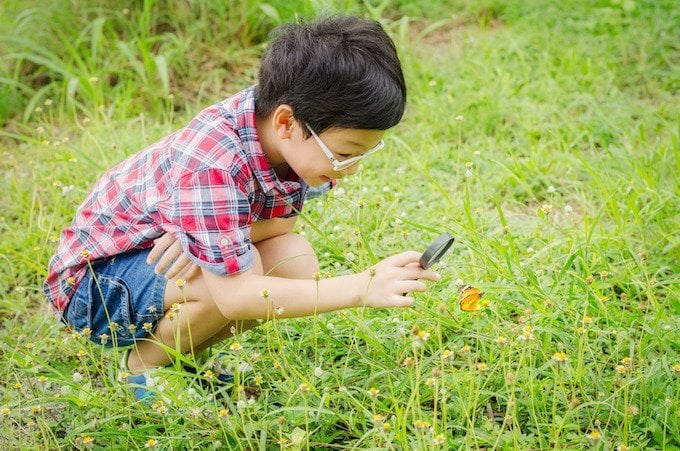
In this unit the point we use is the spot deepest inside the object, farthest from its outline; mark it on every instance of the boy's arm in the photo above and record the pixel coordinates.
(169, 257)
(269, 228)
(249, 295)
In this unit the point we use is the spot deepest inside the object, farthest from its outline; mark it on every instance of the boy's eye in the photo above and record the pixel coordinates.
(344, 155)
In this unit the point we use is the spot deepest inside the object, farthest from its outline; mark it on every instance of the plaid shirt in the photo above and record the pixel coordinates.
(205, 184)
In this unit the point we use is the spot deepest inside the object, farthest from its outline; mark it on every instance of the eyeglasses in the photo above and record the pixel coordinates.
(341, 165)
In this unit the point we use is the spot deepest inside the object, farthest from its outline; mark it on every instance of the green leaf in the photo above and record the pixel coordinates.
(270, 12)
(297, 436)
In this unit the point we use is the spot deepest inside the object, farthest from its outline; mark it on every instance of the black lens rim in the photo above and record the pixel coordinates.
(437, 249)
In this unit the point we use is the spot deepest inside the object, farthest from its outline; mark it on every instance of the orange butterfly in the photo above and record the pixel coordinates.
(469, 298)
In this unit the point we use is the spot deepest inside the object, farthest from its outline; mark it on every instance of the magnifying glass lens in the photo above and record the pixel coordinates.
(438, 254)
(436, 250)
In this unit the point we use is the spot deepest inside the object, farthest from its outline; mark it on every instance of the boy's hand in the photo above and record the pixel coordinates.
(390, 281)
(167, 252)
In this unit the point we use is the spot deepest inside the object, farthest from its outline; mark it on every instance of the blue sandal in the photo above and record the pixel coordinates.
(224, 375)
(139, 383)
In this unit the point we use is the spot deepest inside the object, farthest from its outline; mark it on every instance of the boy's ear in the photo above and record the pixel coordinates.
(283, 121)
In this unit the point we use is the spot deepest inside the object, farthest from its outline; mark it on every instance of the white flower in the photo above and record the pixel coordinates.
(77, 377)
(340, 192)
(318, 372)
(350, 256)
(241, 404)
(551, 189)
(244, 367)
(67, 189)
(330, 326)
(568, 209)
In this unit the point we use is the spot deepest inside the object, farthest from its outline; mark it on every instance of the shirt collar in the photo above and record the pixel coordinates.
(247, 131)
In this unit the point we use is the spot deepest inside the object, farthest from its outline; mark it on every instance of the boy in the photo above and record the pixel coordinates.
(222, 194)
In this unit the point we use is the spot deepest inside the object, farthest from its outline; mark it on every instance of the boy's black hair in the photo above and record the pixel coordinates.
(338, 71)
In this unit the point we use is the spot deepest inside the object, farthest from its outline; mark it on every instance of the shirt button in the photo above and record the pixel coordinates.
(224, 241)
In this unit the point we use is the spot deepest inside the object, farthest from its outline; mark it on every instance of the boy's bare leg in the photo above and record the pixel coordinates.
(282, 258)
(288, 255)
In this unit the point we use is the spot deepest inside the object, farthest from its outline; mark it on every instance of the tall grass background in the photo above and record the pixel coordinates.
(544, 135)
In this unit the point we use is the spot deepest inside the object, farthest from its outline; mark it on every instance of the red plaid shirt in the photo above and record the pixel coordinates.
(205, 184)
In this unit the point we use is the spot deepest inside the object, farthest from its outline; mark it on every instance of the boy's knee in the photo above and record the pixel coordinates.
(257, 261)
(297, 240)
(289, 255)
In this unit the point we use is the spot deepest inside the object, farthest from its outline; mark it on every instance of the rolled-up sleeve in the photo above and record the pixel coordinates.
(210, 216)
(312, 192)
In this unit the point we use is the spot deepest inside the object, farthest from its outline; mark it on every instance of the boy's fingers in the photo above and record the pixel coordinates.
(403, 301)
(186, 271)
(170, 254)
(190, 271)
(412, 285)
(404, 258)
(180, 265)
(174, 269)
(414, 278)
(160, 244)
(430, 275)
(417, 272)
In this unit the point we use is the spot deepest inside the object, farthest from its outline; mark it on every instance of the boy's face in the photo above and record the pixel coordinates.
(307, 158)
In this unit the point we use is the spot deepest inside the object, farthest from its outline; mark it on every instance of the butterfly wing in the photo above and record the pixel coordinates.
(469, 298)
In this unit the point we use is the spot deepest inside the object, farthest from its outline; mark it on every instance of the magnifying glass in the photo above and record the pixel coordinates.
(437, 249)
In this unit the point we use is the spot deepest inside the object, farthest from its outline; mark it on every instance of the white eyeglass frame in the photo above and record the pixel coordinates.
(339, 165)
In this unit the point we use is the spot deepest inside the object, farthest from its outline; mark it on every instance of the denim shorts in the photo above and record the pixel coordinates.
(122, 303)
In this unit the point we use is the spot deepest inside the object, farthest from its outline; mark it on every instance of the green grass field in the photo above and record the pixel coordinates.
(544, 135)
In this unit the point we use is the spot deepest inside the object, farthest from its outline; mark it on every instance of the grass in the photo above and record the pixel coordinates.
(545, 136)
